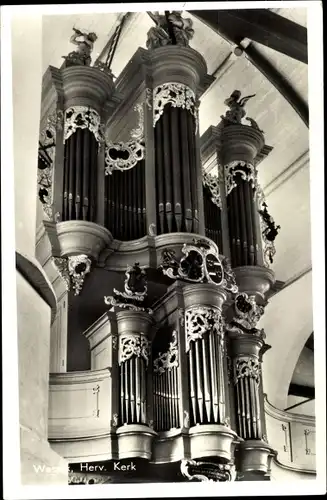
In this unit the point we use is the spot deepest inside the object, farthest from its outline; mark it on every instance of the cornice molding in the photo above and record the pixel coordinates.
(79, 377)
(301, 162)
(286, 416)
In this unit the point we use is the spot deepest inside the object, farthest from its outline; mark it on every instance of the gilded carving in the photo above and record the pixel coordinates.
(168, 360)
(247, 367)
(133, 345)
(202, 319)
(78, 267)
(212, 182)
(83, 117)
(201, 264)
(245, 169)
(269, 230)
(176, 94)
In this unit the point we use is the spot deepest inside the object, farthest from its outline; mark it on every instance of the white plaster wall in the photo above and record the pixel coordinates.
(33, 322)
(289, 205)
(27, 88)
(287, 323)
(33, 314)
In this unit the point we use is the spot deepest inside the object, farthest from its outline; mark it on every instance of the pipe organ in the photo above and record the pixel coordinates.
(175, 230)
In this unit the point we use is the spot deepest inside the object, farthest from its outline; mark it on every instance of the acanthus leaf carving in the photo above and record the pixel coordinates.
(133, 345)
(212, 183)
(83, 117)
(168, 360)
(245, 169)
(269, 230)
(177, 95)
(246, 366)
(200, 320)
(201, 264)
(78, 267)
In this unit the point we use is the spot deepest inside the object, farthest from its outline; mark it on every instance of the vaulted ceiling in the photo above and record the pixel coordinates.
(272, 65)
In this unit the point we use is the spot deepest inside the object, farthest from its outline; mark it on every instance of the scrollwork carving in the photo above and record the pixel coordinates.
(186, 422)
(133, 345)
(269, 230)
(176, 94)
(61, 264)
(207, 471)
(83, 117)
(245, 169)
(212, 183)
(135, 290)
(247, 367)
(248, 312)
(78, 267)
(202, 319)
(126, 155)
(46, 159)
(168, 360)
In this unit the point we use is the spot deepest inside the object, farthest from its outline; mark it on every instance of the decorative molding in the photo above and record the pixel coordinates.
(133, 345)
(201, 264)
(83, 117)
(306, 434)
(114, 421)
(246, 366)
(176, 94)
(207, 471)
(168, 360)
(212, 183)
(202, 319)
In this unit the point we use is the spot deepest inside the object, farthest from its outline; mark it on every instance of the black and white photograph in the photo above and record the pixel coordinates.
(163, 250)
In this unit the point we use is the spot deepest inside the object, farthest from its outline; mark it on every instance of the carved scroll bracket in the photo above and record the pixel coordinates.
(133, 345)
(202, 319)
(73, 270)
(176, 94)
(83, 117)
(168, 360)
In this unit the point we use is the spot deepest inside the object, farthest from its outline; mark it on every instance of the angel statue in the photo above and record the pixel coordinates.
(170, 29)
(236, 105)
(82, 55)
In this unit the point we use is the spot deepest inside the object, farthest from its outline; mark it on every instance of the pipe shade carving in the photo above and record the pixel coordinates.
(165, 385)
